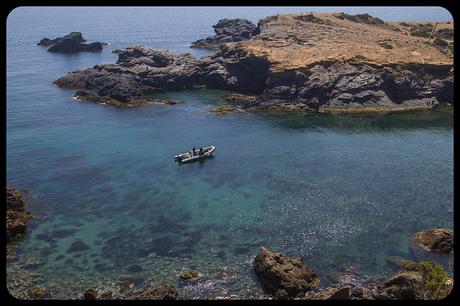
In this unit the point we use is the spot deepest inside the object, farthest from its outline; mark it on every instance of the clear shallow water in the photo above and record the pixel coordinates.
(334, 189)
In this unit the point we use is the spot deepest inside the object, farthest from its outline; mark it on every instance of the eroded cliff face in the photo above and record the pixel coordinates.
(355, 86)
(308, 62)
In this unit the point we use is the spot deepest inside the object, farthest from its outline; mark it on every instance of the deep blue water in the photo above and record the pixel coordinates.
(334, 189)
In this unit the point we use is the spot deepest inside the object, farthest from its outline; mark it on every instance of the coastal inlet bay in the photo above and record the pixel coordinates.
(341, 191)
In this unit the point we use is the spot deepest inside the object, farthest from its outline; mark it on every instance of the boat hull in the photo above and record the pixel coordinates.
(207, 154)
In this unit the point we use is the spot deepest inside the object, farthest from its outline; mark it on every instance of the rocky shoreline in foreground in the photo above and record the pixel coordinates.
(281, 276)
(293, 62)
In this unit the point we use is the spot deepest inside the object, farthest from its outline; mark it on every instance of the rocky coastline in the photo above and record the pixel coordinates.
(293, 62)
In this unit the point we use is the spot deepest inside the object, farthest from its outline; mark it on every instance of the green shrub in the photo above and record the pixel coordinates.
(435, 283)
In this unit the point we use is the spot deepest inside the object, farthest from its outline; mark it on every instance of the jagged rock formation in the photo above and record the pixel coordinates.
(70, 43)
(285, 276)
(439, 240)
(227, 30)
(75, 36)
(307, 62)
(140, 70)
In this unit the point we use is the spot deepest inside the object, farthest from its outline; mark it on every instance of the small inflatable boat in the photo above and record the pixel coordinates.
(189, 157)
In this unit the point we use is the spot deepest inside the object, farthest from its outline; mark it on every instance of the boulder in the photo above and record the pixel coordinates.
(280, 272)
(440, 240)
(91, 294)
(402, 286)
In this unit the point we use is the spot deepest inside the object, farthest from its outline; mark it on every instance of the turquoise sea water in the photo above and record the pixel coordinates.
(337, 190)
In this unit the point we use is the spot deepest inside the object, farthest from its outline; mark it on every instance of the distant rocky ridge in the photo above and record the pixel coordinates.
(293, 62)
(70, 43)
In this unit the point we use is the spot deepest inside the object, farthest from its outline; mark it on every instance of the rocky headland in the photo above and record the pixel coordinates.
(313, 62)
(70, 43)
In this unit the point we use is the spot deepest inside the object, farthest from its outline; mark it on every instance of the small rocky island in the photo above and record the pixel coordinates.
(70, 43)
(316, 62)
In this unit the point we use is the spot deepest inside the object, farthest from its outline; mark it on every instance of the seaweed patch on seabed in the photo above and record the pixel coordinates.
(164, 245)
(80, 175)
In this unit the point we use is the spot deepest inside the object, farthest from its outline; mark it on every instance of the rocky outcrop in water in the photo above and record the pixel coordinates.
(227, 30)
(283, 275)
(439, 240)
(301, 62)
(70, 43)
(141, 70)
(75, 36)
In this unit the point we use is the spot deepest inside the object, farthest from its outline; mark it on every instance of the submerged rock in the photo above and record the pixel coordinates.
(77, 246)
(134, 269)
(70, 43)
(188, 275)
(279, 272)
(440, 240)
(227, 30)
(399, 262)
(38, 293)
(160, 290)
